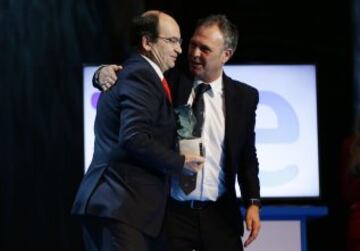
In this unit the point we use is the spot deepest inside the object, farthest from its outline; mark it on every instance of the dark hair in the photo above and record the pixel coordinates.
(146, 25)
(228, 29)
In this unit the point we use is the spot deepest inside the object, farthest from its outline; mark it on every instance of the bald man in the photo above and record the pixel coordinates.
(121, 200)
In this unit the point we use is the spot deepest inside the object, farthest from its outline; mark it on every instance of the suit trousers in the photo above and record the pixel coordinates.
(203, 229)
(102, 234)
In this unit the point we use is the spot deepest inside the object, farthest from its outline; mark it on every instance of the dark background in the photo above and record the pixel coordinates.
(43, 45)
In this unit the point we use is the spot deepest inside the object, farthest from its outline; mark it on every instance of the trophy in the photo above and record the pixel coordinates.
(188, 144)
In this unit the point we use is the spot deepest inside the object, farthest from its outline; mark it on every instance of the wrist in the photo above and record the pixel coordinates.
(97, 74)
(254, 202)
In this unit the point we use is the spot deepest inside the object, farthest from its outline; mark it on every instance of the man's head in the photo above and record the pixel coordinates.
(157, 36)
(211, 46)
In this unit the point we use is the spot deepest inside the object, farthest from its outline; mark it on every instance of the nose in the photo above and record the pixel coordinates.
(194, 51)
(178, 48)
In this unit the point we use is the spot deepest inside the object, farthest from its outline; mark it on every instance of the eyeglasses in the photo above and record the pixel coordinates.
(172, 40)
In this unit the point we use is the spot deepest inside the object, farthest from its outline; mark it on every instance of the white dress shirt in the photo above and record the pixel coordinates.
(210, 184)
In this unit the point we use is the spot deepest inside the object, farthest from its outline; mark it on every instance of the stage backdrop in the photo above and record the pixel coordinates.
(286, 126)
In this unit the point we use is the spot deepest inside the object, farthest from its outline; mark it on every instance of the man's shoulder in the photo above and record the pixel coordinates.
(238, 85)
(136, 65)
(137, 75)
(135, 62)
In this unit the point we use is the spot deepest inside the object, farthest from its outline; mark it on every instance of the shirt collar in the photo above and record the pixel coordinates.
(155, 67)
(216, 85)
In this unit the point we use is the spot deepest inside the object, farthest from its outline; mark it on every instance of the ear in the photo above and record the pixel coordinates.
(227, 54)
(146, 43)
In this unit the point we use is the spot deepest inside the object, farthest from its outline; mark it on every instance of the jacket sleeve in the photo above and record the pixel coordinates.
(248, 175)
(95, 79)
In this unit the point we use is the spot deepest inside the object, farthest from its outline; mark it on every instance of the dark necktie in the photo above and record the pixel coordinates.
(198, 108)
(188, 182)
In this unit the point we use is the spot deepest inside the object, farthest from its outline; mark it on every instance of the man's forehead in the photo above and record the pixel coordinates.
(151, 12)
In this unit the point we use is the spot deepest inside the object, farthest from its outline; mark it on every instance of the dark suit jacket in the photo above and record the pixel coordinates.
(240, 154)
(135, 132)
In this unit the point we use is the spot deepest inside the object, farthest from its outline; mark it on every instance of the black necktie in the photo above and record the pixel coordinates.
(198, 108)
(188, 182)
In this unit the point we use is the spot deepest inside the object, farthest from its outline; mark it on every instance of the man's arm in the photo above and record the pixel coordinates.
(250, 184)
(105, 77)
(140, 99)
(248, 174)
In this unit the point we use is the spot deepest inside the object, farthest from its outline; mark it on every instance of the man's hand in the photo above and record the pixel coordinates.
(252, 223)
(193, 163)
(107, 76)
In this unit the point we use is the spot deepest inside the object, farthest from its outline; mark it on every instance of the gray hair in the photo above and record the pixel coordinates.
(228, 29)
